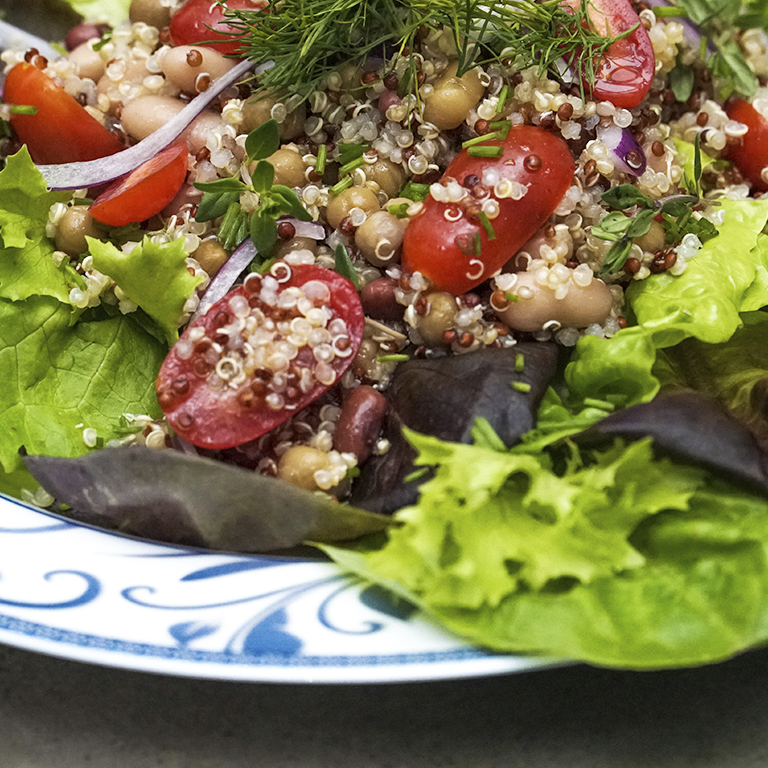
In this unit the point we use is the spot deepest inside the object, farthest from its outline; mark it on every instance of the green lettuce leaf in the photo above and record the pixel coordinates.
(705, 302)
(110, 11)
(152, 275)
(614, 557)
(26, 254)
(61, 376)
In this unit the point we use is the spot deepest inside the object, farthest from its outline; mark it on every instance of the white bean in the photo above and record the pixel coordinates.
(89, 63)
(578, 309)
(193, 68)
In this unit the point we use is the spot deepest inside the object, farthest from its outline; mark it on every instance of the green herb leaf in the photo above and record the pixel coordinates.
(263, 232)
(681, 80)
(626, 196)
(613, 226)
(213, 205)
(291, 202)
(263, 141)
(343, 265)
(263, 176)
(221, 185)
(616, 257)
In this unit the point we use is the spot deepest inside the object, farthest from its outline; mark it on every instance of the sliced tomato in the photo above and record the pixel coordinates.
(143, 192)
(261, 354)
(202, 22)
(751, 155)
(61, 130)
(448, 242)
(624, 74)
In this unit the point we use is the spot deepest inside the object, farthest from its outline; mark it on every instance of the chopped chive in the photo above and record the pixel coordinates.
(604, 405)
(485, 151)
(400, 210)
(521, 386)
(487, 226)
(392, 358)
(22, 109)
(322, 156)
(520, 363)
(513, 297)
(352, 165)
(339, 187)
(477, 244)
(481, 139)
(416, 474)
(502, 98)
(502, 126)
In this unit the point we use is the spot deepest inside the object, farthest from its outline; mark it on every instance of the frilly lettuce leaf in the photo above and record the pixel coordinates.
(61, 376)
(614, 557)
(26, 254)
(152, 275)
(724, 279)
(109, 11)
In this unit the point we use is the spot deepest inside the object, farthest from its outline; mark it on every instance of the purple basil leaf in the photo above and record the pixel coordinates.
(443, 397)
(185, 499)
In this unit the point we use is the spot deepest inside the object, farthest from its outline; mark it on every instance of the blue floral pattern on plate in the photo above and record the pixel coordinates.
(74, 591)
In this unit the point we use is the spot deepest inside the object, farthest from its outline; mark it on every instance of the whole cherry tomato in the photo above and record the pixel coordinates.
(624, 74)
(261, 354)
(143, 192)
(61, 130)
(200, 22)
(751, 155)
(453, 244)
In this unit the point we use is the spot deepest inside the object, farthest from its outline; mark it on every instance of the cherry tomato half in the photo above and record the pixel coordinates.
(751, 155)
(624, 74)
(448, 243)
(143, 192)
(61, 131)
(261, 354)
(198, 22)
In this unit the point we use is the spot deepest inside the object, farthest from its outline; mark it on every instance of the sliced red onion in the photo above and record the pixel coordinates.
(628, 155)
(91, 173)
(310, 229)
(225, 277)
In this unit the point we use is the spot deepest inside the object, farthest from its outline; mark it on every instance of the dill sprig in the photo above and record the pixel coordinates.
(309, 39)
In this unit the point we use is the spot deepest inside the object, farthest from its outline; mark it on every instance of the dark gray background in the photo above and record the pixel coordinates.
(61, 714)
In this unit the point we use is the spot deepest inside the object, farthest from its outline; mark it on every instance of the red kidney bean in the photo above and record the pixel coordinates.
(82, 33)
(378, 300)
(360, 422)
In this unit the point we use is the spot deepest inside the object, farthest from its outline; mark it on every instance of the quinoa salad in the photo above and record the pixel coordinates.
(490, 292)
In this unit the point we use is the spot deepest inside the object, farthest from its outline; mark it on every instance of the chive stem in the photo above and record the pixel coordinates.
(322, 156)
(485, 151)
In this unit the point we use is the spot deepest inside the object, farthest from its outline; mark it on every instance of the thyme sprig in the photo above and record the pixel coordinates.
(308, 39)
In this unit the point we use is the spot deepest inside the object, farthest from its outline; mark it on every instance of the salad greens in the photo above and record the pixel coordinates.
(47, 402)
(109, 11)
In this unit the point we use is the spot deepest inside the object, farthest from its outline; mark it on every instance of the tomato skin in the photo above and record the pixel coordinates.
(432, 242)
(143, 192)
(751, 155)
(61, 131)
(199, 21)
(219, 418)
(625, 73)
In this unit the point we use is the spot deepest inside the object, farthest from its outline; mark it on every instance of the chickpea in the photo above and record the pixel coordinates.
(581, 306)
(352, 197)
(257, 111)
(289, 168)
(152, 12)
(299, 464)
(440, 317)
(211, 256)
(380, 237)
(388, 175)
(284, 247)
(89, 63)
(453, 97)
(653, 239)
(76, 224)
(366, 356)
(188, 66)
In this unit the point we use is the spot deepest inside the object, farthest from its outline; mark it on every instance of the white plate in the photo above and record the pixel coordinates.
(77, 592)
